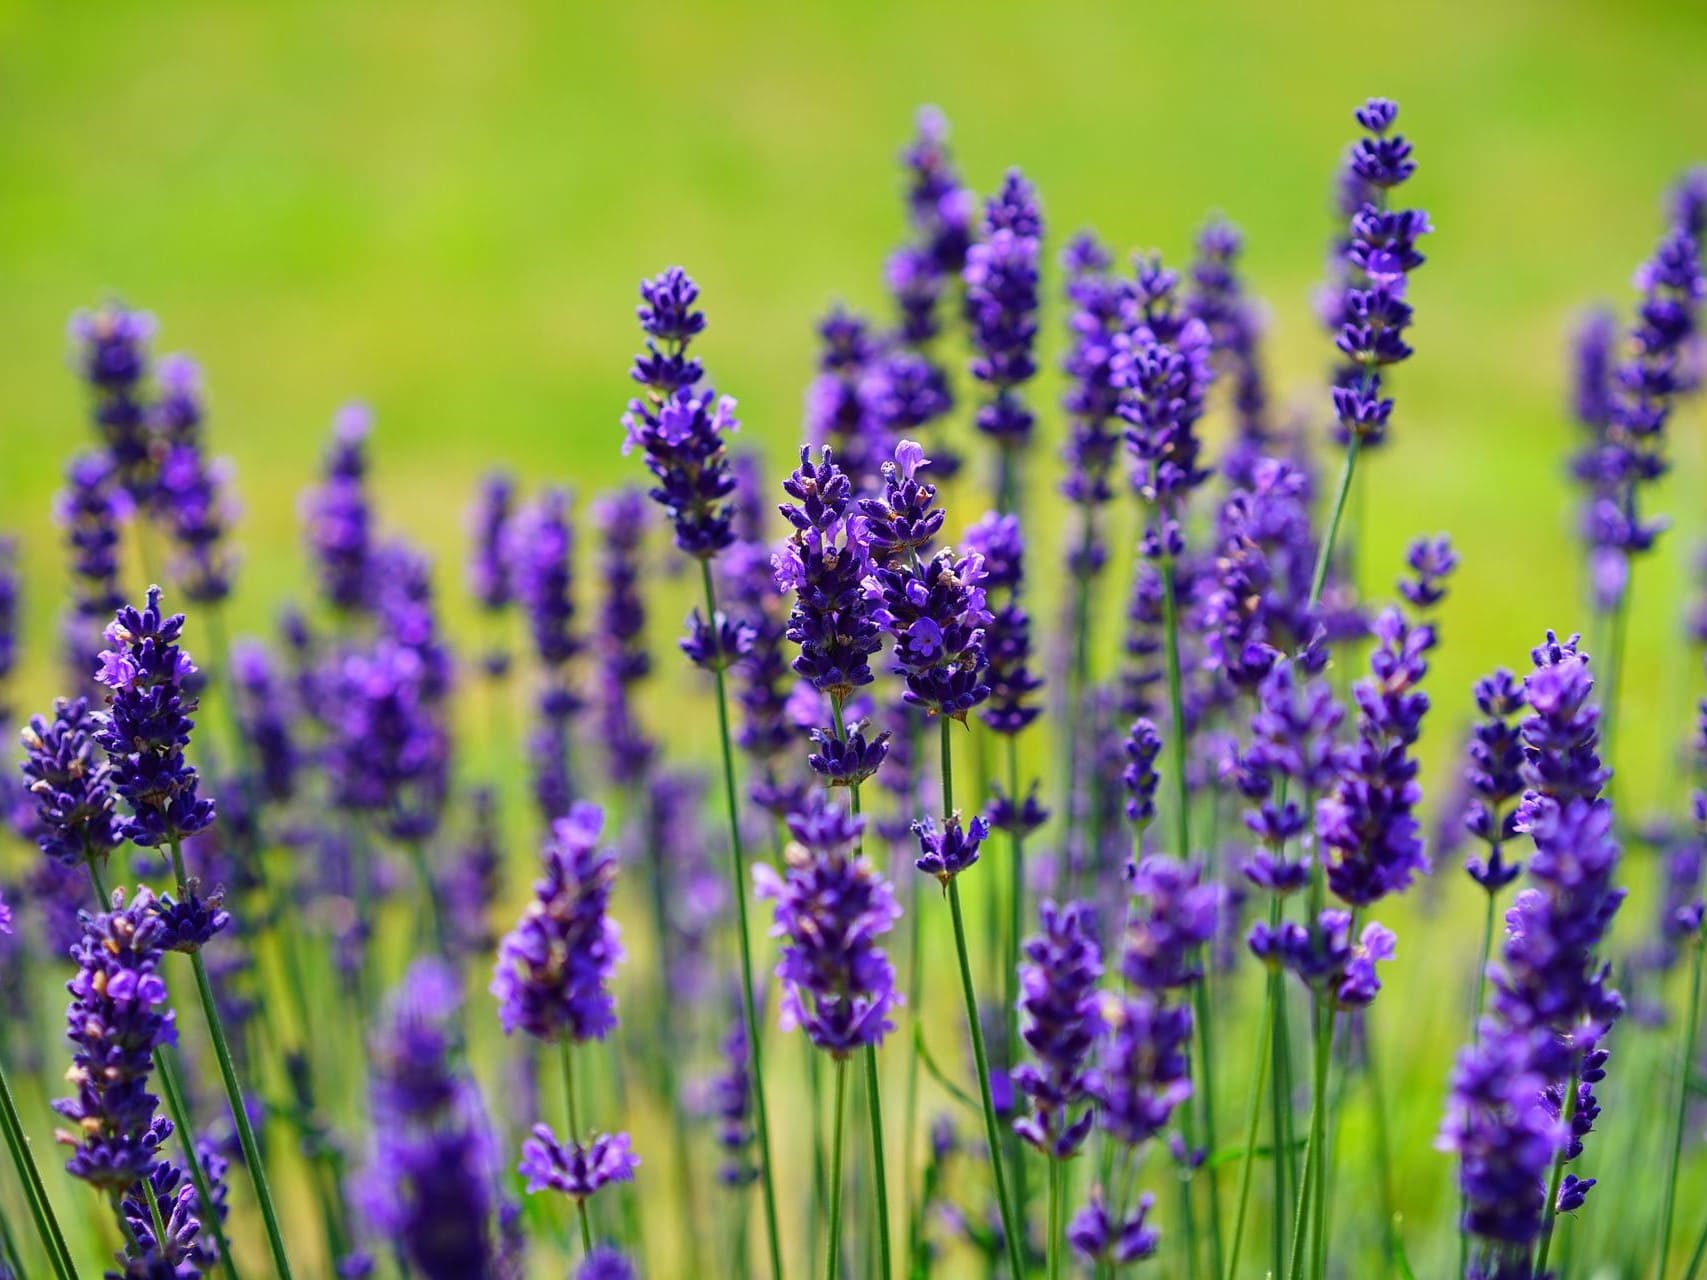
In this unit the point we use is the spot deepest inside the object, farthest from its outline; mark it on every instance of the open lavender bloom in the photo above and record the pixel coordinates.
(182, 1253)
(553, 973)
(1370, 313)
(1143, 1071)
(946, 853)
(576, 1169)
(1001, 275)
(680, 424)
(1060, 1021)
(116, 1019)
(148, 725)
(832, 909)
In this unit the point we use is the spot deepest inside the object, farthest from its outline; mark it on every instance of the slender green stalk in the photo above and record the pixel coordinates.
(566, 1056)
(1280, 1115)
(1311, 1190)
(1247, 1158)
(910, 1108)
(1057, 1175)
(153, 1207)
(1696, 1255)
(837, 1126)
(424, 878)
(880, 1179)
(1475, 1039)
(980, 1061)
(1551, 1212)
(1203, 1097)
(41, 1208)
(1383, 1142)
(738, 879)
(1016, 926)
(1685, 1061)
(1324, 554)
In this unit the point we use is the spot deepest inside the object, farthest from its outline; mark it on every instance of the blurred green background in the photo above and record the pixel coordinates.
(443, 209)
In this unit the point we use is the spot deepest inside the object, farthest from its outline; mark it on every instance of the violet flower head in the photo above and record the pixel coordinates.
(1593, 354)
(541, 559)
(8, 618)
(620, 637)
(553, 973)
(1218, 299)
(473, 882)
(678, 423)
(839, 411)
(848, 760)
(1060, 1019)
(1096, 1236)
(181, 1253)
(1323, 956)
(1143, 744)
(194, 494)
(1007, 634)
(1431, 561)
(940, 209)
(1174, 913)
(148, 724)
(430, 1185)
(904, 518)
(1561, 735)
(1093, 395)
(389, 750)
(947, 852)
(71, 784)
(1366, 824)
(116, 1019)
(91, 508)
(336, 517)
(1292, 738)
(1164, 366)
(1370, 312)
(264, 712)
(1495, 779)
(1001, 276)
(576, 1169)
(1020, 816)
(606, 1263)
(180, 402)
(732, 1103)
(719, 644)
(1143, 1069)
(832, 910)
(491, 581)
(113, 358)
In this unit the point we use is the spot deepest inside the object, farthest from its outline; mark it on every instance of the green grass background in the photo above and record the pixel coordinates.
(443, 209)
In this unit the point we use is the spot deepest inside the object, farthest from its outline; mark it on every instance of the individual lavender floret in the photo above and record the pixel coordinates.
(1432, 561)
(112, 357)
(946, 853)
(336, 517)
(71, 784)
(1561, 736)
(1174, 913)
(678, 424)
(1060, 1021)
(1495, 778)
(832, 909)
(116, 1019)
(490, 580)
(577, 1170)
(553, 973)
(430, 1185)
(148, 724)
(1007, 635)
(1097, 1237)
(1217, 298)
(1143, 1068)
(1370, 312)
(266, 718)
(1370, 837)
(1001, 276)
(1164, 366)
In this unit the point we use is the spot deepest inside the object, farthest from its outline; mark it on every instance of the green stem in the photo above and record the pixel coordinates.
(1475, 1039)
(980, 1060)
(1383, 1143)
(910, 1109)
(837, 1126)
(738, 878)
(424, 878)
(1551, 1211)
(154, 1209)
(1313, 1154)
(41, 1208)
(1253, 1115)
(1324, 554)
(171, 1085)
(1696, 1255)
(1685, 1062)
(567, 1058)
(1613, 664)
(1056, 1177)
(880, 1177)
(1016, 926)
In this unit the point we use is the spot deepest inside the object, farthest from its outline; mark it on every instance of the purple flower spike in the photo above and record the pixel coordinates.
(148, 726)
(113, 358)
(577, 1170)
(1174, 914)
(831, 910)
(71, 784)
(606, 1263)
(1164, 365)
(1234, 321)
(1097, 1237)
(1495, 779)
(946, 853)
(336, 515)
(1007, 635)
(1060, 1022)
(1001, 277)
(1142, 1072)
(1432, 561)
(553, 973)
(719, 645)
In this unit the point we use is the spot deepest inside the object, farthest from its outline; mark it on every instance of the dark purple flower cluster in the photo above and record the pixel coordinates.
(947, 852)
(1370, 313)
(732, 1103)
(472, 883)
(553, 972)
(1097, 1237)
(265, 713)
(1001, 275)
(605, 1263)
(148, 724)
(1174, 912)
(1164, 366)
(1370, 837)
(336, 515)
(430, 1185)
(1217, 298)
(91, 508)
(1495, 779)
(389, 752)
(71, 784)
(679, 424)
(1143, 1067)
(113, 358)
(541, 559)
(940, 209)
(1060, 1021)
(1007, 635)
(576, 1169)
(1561, 735)
(1292, 745)
(182, 1253)
(116, 1019)
(193, 495)
(1142, 745)
(1323, 956)
(832, 910)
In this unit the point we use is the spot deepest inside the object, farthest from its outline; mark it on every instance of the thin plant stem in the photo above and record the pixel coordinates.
(910, 1109)
(1476, 1039)
(153, 1207)
(424, 878)
(566, 1056)
(1383, 1142)
(10, 1255)
(1280, 1114)
(837, 1127)
(1202, 1005)
(980, 1060)
(1697, 1254)
(1313, 1152)
(1253, 1116)
(1016, 925)
(1612, 661)
(1551, 1211)
(738, 884)
(1324, 554)
(1056, 1178)
(234, 1093)
(41, 1208)
(1686, 1059)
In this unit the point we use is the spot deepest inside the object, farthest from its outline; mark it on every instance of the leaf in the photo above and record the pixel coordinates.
(936, 1072)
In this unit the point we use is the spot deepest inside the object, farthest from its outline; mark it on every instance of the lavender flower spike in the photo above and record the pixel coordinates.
(72, 786)
(1001, 276)
(1061, 1023)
